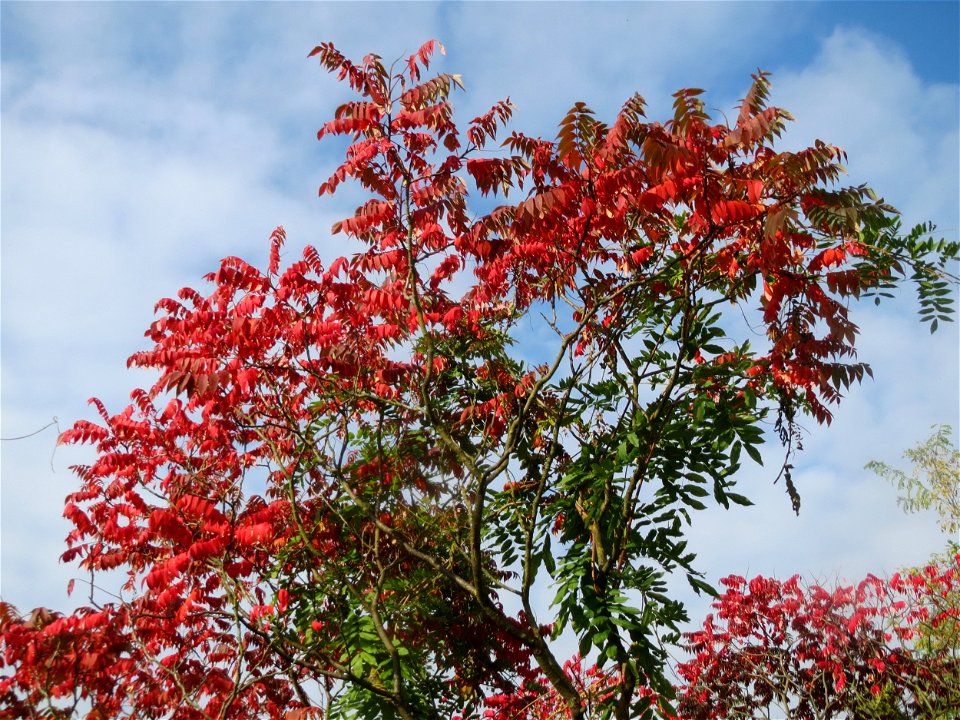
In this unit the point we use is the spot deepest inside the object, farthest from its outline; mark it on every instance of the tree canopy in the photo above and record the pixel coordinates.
(877, 649)
(815, 653)
(933, 482)
(350, 484)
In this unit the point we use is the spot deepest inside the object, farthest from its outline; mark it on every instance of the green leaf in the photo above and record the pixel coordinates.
(585, 645)
(549, 561)
(754, 454)
(699, 586)
(740, 499)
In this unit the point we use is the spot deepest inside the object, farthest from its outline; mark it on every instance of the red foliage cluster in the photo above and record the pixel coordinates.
(533, 701)
(881, 649)
(878, 649)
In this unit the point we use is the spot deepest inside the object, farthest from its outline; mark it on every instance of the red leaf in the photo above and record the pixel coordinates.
(730, 212)
(254, 534)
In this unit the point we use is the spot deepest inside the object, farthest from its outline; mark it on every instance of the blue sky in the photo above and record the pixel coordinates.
(142, 142)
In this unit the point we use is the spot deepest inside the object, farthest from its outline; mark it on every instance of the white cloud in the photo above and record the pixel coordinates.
(547, 56)
(900, 132)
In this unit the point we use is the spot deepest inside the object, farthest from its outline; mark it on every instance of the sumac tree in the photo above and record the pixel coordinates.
(348, 488)
(814, 653)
